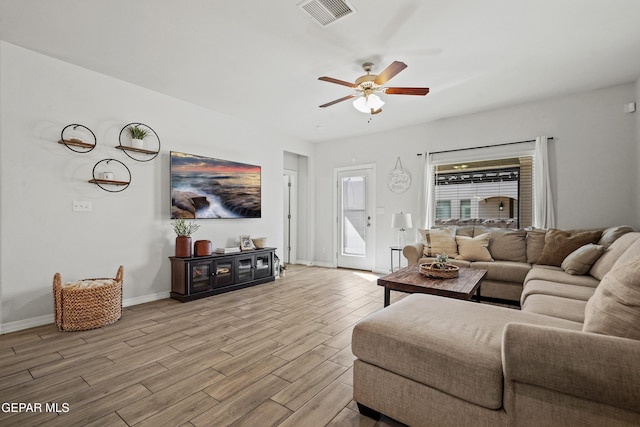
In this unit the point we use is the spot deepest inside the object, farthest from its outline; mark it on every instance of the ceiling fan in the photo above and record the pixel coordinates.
(368, 85)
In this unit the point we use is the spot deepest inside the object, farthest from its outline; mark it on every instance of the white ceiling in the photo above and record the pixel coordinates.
(260, 59)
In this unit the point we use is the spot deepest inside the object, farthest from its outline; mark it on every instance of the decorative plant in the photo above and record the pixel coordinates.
(137, 132)
(182, 228)
(441, 262)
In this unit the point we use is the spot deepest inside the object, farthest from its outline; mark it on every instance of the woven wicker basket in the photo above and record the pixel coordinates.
(438, 273)
(81, 309)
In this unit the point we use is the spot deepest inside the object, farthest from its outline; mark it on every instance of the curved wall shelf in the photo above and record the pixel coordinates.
(110, 183)
(72, 138)
(139, 154)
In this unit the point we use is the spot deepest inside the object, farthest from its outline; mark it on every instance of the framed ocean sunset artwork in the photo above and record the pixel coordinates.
(205, 187)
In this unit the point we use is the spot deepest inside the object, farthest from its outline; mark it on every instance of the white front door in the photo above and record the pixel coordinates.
(355, 218)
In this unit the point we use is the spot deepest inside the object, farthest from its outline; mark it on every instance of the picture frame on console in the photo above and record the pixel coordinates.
(245, 243)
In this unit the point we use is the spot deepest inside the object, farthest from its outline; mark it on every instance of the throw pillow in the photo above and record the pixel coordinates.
(614, 309)
(580, 261)
(474, 248)
(506, 244)
(535, 244)
(439, 241)
(558, 244)
(611, 234)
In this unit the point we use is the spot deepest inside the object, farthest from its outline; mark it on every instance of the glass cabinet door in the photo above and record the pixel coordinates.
(244, 271)
(263, 266)
(200, 277)
(223, 273)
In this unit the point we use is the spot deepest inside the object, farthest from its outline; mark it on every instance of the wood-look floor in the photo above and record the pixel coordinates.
(277, 354)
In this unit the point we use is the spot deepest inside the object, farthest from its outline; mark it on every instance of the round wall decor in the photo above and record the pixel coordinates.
(398, 180)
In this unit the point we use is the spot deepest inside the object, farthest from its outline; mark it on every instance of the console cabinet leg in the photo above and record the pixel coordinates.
(368, 412)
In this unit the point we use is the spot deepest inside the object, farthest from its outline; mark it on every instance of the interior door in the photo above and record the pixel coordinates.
(290, 185)
(355, 209)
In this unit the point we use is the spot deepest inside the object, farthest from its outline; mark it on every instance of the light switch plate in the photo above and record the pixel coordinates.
(81, 206)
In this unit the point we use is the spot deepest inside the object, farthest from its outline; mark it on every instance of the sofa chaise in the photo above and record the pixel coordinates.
(570, 355)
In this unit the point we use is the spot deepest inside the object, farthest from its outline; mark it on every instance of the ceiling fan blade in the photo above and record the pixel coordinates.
(421, 91)
(336, 81)
(328, 104)
(389, 72)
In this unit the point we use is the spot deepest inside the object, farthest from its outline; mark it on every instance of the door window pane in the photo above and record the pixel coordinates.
(353, 216)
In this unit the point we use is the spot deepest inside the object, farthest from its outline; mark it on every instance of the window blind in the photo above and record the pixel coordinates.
(490, 192)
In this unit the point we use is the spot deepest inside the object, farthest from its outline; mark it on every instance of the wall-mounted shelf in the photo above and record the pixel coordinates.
(137, 150)
(108, 182)
(139, 154)
(74, 135)
(110, 185)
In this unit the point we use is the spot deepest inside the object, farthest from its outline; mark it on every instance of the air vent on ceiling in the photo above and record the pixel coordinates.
(326, 12)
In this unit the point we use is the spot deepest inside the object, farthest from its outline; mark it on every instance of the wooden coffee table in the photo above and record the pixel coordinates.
(411, 281)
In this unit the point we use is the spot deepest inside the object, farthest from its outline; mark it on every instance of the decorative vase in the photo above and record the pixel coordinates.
(183, 247)
(203, 248)
(137, 143)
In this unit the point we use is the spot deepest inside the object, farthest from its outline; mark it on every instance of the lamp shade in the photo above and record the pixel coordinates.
(366, 103)
(401, 220)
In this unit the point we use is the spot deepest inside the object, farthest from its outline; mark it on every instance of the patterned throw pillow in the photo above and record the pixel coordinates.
(439, 241)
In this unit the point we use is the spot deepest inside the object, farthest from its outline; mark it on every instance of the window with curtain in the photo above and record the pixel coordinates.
(494, 192)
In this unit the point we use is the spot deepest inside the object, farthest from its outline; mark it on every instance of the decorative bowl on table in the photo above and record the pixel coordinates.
(439, 271)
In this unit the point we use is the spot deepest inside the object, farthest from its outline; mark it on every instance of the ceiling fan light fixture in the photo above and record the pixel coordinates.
(367, 104)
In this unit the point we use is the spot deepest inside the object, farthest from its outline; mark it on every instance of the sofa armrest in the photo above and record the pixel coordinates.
(597, 367)
(413, 252)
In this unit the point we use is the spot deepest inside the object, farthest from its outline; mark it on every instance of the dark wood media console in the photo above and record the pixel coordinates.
(200, 277)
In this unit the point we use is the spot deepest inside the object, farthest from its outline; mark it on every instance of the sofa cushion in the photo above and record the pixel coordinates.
(535, 244)
(505, 244)
(474, 248)
(563, 290)
(556, 307)
(559, 243)
(580, 261)
(556, 275)
(467, 230)
(440, 241)
(614, 309)
(448, 344)
(611, 255)
(505, 271)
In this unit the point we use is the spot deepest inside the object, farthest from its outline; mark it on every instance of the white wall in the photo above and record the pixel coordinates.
(594, 160)
(39, 233)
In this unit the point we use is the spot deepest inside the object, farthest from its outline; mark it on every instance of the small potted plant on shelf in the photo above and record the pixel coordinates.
(137, 136)
(440, 268)
(184, 230)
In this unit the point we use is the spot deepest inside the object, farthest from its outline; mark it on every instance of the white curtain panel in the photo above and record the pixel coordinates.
(425, 203)
(544, 216)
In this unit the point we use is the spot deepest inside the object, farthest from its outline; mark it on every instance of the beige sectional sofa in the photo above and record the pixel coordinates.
(570, 355)
(512, 253)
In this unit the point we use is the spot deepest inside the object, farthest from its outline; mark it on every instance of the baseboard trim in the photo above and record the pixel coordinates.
(144, 299)
(33, 322)
(19, 325)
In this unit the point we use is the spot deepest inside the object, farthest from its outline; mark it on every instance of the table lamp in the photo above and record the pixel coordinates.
(401, 221)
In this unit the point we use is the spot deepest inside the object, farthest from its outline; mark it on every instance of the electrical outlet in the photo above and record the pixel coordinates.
(81, 206)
